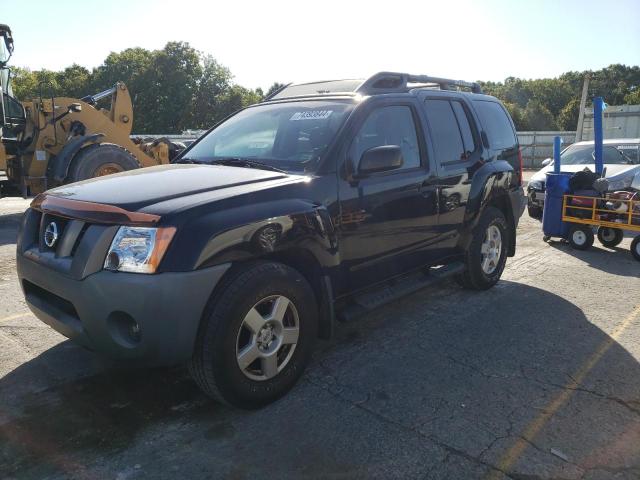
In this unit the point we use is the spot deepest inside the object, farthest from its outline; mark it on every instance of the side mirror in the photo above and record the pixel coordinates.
(380, 159)
(75, 108)
(546, 161)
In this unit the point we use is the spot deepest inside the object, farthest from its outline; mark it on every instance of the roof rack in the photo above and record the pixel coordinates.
(382, 82)
(393, 81)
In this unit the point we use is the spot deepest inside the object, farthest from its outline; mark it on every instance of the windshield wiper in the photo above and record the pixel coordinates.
(246, 163)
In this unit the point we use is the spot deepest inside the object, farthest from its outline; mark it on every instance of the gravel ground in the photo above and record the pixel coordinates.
(537, 378)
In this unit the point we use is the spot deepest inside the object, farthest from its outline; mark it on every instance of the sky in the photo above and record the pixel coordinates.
(296, 41)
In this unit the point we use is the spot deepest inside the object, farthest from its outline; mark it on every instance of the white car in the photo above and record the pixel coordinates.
(621, 160)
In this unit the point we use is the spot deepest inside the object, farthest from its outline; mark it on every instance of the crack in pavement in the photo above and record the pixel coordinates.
(390, 421)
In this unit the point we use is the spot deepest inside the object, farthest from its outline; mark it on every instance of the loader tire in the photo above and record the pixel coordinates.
(99, 160)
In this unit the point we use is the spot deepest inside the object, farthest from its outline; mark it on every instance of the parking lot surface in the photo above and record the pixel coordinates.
(537, 378)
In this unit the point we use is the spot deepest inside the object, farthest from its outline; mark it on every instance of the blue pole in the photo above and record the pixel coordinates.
(597, 132)
(557, 145)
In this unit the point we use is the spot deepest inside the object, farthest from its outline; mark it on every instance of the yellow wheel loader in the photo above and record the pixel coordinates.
(51, 141)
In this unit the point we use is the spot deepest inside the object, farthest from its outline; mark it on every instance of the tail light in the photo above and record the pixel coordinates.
(520, 163)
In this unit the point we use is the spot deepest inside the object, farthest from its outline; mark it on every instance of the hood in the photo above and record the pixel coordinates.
(612, 170)
(138, 189)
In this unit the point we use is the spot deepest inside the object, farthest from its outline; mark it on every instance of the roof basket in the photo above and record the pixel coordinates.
(393, 81)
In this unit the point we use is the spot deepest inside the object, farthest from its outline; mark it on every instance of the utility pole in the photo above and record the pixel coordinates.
(583, 105)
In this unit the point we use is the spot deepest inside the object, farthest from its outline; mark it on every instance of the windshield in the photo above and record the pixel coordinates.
(291, 136)
(585, 155)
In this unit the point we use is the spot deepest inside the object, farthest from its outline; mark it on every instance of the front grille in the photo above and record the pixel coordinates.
(68, 235)
(78, 251)
(46, 222)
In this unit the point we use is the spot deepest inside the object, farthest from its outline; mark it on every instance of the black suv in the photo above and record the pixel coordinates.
(322, 202)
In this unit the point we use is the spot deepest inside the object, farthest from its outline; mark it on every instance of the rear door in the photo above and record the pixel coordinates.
(458, 153)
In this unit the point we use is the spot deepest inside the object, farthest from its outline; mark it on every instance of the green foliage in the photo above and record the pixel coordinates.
(172, 89)
(633, 98)
(178, 88)
(550, 103)
(537, 116)
(568, 118)
(274, 88)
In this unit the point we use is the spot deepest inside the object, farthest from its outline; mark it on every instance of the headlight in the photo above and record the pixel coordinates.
(536, 185)
(138, 249)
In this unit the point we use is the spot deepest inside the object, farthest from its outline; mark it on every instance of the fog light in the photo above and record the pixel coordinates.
(124, 329)
(134, 331)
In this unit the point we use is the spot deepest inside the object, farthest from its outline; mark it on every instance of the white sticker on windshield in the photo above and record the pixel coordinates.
(311, 115)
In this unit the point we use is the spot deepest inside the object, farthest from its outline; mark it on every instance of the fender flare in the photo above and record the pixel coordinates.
(58, 167)
(490, 186)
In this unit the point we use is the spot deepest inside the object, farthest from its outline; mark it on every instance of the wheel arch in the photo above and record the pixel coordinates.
(306, 264)
(58, 168)
(490, 188)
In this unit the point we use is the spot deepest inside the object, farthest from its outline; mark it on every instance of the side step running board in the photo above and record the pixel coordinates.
(372, 299)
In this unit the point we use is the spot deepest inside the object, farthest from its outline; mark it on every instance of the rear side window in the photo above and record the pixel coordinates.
(452, 136)
(465, 128)
(496, 124)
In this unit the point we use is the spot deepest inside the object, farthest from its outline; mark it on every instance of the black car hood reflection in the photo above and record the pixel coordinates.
(138, 189)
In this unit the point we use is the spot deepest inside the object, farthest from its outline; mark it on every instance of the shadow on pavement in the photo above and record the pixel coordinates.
(617, 261)
(9, 224)
(457, 373)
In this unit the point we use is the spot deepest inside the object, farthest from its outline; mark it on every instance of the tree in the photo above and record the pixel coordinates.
(74, 81)
(274, 88)
(213, 84)
(568, 118)
(517, 115)
(178, 88)
(536, 116)
(170, 83)
(633, 98)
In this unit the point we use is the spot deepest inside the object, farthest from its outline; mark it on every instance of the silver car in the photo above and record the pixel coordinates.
(621, 160)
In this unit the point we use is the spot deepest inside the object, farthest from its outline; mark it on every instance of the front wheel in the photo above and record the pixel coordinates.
(487, 253)
(580, 237)
(256, 336)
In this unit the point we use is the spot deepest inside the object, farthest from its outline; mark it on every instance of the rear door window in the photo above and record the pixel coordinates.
(451, 133)
(496, 124)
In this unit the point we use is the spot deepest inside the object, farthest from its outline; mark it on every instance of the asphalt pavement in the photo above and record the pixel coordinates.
(537, 378)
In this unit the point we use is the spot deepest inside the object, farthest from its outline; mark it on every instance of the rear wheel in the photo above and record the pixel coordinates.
(580, 237)
(635, 248)
(610, 237)
(256, 336)
(99, 160)
(487, 254)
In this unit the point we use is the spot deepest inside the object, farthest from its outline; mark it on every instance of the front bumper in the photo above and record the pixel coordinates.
(536, 198)
(96, 311)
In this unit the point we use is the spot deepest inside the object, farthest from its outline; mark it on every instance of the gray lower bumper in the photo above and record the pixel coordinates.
(167, 307)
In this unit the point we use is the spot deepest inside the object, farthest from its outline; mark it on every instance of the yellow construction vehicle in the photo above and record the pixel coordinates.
(56, 140)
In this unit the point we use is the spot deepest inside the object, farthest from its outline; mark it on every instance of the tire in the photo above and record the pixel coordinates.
(479, 275)
(580, 237)
(224, 334)
(534, 212)
(100, 159)
(610, 237)
(635, 248)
